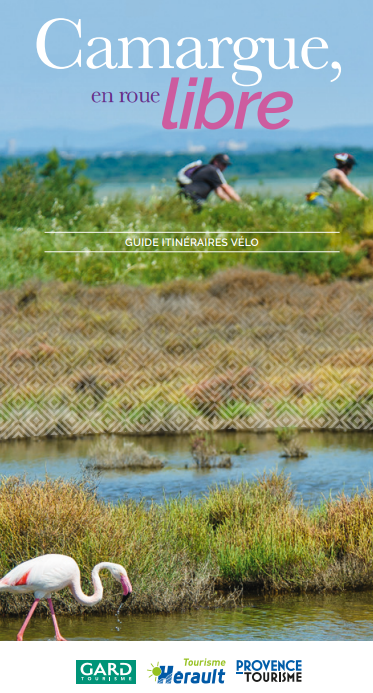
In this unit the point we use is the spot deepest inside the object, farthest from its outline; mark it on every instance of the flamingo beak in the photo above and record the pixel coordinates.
(127, 588)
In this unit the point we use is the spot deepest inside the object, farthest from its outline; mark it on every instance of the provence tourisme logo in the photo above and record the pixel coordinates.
(270, 670)
(106, 671)
(166, 674)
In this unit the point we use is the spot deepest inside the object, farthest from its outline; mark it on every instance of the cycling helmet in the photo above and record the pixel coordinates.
(344, 159)
(222, 159)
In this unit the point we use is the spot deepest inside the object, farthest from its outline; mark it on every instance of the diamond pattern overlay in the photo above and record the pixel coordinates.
(247, 350)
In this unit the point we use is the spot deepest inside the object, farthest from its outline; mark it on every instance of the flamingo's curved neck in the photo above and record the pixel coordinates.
(97, 585)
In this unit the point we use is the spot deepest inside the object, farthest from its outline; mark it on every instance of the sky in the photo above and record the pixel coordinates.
(34, 95)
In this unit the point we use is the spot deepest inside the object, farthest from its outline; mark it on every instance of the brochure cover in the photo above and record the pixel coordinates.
(186, 301)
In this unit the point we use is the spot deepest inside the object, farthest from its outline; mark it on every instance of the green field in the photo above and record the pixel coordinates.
(53, 209)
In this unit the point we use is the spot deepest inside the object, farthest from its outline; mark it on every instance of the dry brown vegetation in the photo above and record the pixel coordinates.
(242, 350)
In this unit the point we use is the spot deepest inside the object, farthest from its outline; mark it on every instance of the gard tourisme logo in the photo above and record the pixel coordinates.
(270, 670)
(193, 674)
(106, 671)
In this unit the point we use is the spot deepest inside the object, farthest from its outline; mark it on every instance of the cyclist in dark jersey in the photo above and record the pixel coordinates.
(332, 179)
(203, 179)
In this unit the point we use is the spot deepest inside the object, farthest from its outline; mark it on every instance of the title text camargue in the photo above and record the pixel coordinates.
(245, 49)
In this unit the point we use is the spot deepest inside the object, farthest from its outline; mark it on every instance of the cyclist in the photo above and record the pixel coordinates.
(198, 180)
(332, 179)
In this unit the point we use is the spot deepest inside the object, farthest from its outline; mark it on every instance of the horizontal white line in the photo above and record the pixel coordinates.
(149, 252)
(189, 233)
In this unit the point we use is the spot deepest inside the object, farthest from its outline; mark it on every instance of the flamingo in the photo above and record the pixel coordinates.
(51, 573)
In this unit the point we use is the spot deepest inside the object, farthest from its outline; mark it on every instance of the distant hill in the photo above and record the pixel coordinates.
(296, 162)
(140, 138)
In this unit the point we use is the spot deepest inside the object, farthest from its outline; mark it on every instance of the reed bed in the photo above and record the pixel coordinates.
(183, 553)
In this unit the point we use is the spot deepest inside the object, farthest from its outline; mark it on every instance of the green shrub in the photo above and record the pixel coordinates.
(27, 195)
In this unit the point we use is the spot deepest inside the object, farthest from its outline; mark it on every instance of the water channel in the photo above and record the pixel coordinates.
(346, 616)
(335, 462)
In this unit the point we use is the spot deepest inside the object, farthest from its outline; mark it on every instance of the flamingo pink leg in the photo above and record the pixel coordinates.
(56, 628)
(21, 632)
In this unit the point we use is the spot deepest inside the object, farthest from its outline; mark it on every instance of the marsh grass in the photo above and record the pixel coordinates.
(108, 454)
(180, 553)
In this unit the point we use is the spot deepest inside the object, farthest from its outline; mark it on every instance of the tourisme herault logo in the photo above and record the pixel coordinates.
(166, 674)
(106, 671)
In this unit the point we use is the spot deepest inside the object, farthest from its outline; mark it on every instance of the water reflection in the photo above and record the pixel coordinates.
(347, 616)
